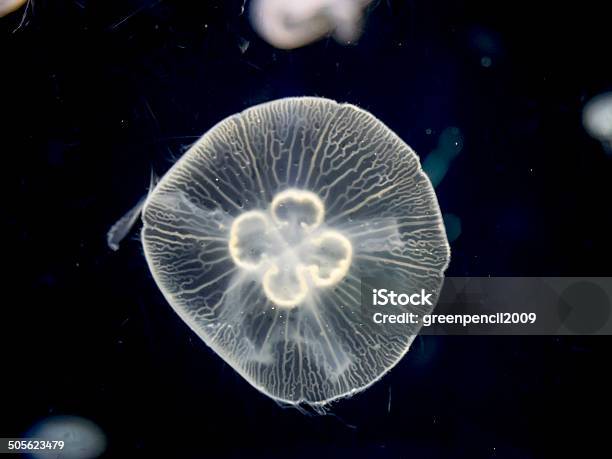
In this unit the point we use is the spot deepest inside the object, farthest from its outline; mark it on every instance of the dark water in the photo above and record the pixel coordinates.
(96, 97)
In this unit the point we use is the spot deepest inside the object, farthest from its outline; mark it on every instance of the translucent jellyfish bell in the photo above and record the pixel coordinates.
(260, 235)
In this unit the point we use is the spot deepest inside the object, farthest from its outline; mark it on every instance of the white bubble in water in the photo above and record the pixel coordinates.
(260, 235)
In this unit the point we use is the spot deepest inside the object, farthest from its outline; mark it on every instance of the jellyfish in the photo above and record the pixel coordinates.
(80, 437)
(262, 235)
(289, 24)
(8, 6)
(597, 119)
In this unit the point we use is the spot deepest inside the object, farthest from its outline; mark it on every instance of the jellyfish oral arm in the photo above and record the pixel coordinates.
(286, 249)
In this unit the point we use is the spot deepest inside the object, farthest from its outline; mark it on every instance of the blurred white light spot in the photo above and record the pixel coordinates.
(289, 24)
(82, 438)
(8, 6)
(597, 119)
(486, 61)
